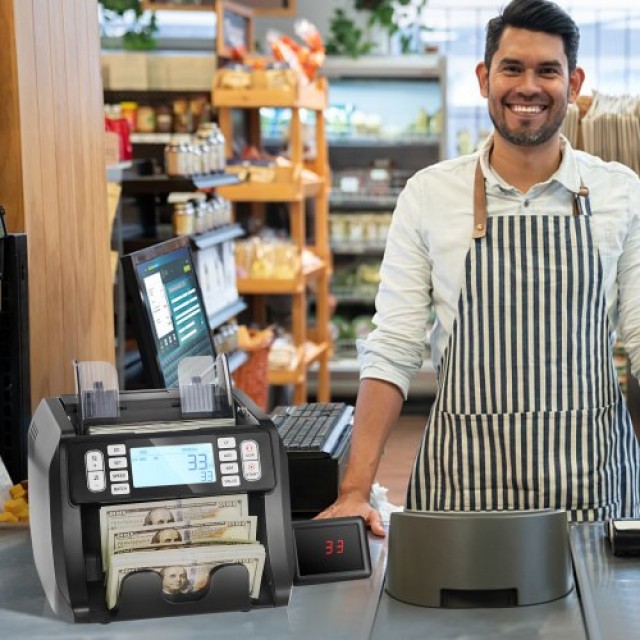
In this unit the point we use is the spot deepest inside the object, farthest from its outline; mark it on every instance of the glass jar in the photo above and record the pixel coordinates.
(163, 119)
(201, 216)
(177, 158)
(183, 219)
(145, 119)
(220, 146)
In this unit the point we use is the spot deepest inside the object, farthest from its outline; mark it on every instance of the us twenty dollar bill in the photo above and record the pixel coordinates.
(147, 514)
(183, 534)
(187, 570)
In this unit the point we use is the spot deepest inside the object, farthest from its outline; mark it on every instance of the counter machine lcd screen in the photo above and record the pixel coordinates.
(169, 465)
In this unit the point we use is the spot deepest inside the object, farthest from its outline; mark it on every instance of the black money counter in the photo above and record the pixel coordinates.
(91, 450)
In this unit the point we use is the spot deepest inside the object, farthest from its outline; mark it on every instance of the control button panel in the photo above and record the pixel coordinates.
(249, 455)
(118, 465)
(101, 472)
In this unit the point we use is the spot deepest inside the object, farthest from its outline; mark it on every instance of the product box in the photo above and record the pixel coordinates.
(125, 70)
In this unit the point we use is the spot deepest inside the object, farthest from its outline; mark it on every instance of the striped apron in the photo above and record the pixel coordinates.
(529, 413)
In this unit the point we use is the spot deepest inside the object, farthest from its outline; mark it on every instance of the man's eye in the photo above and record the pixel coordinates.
(549, 71)
(511, 69)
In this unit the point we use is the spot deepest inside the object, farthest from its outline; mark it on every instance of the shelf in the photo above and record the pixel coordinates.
(357, 248)
(217, 236)
(307, 354)
(409, 140)
(359, 202)
(307, 187)
(167, 184)
(228, 312)
(355, 299)
(295, 96)
(280, 286)
(149, 5)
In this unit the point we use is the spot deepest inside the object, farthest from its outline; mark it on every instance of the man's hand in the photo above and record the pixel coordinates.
(350, 506)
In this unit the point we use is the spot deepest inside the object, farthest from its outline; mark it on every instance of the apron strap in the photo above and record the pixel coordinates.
(480, 204)
(578, 209)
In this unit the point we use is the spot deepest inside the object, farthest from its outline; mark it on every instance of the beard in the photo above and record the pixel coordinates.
(524, 137)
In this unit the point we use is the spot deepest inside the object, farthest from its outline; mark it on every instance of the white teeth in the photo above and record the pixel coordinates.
(519, 108)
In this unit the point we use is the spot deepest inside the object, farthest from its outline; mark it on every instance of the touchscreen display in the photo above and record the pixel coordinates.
(172, 465)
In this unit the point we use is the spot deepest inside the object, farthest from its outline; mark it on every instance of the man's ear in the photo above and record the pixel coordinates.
(576, 78)
(482, 73)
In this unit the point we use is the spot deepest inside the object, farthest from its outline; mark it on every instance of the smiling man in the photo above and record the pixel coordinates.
(529, 252)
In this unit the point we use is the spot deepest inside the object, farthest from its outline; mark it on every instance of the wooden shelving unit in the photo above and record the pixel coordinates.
(308, 181)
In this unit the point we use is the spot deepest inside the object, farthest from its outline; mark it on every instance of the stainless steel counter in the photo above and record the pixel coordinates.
(609, 591)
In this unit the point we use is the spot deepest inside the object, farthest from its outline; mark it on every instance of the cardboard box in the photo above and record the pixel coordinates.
(125, 70)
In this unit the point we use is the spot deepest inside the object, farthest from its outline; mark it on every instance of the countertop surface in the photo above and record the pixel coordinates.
(609, 591)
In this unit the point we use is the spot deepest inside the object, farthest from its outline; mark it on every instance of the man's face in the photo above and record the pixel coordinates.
(174, 579)
(528, 86)
(168, 535)
(160, 516)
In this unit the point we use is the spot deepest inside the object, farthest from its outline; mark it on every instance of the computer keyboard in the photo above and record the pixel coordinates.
(312, 426)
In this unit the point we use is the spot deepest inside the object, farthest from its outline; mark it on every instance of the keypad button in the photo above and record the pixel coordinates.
(120, 489)
(226, 443)
(94, 460)
(249, 450)
(96, 481)
(119, 476)
(228, 455)
(117, 463)
(229, 467)
(116, 449)
(251, 470)
(230, 481)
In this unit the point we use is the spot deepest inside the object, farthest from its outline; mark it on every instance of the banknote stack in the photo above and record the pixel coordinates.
(181, 540)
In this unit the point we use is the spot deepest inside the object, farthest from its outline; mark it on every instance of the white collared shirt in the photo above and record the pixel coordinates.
(430, 236)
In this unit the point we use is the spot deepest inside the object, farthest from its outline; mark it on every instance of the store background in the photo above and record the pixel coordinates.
(609, 50)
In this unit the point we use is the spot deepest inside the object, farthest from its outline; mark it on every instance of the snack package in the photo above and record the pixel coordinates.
(306, 59)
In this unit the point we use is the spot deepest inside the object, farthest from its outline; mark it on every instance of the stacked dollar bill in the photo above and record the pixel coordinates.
(181, 540)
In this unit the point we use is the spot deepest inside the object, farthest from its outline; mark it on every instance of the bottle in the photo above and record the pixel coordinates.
(177, 158)
(128, 111)
(183, 219)
(221, 148)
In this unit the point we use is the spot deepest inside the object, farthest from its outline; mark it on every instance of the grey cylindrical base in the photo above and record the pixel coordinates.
(478, 559)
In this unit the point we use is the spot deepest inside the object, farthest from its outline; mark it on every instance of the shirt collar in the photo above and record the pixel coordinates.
(567, 173)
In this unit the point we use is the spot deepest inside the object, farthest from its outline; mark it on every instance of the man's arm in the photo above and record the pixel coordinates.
(377, 409)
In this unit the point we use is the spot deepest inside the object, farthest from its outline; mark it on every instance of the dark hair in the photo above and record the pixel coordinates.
(534, 15)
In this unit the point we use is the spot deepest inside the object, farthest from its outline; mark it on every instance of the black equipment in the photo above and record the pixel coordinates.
(15, 385)
(317, 437)
(171, 320)
(65, 501)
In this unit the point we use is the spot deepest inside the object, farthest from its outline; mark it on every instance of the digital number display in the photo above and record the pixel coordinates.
(172, 465)
(332, 549)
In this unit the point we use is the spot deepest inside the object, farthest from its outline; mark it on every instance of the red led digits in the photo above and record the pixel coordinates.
(331, 547)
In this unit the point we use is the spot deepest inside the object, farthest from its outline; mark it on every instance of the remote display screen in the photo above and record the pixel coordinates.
(172, 465)
(328, 549)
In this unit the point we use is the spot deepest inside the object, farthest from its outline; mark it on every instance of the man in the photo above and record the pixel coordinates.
(529, 252)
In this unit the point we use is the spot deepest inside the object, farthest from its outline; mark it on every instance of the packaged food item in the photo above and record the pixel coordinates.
(145, 119)
(128, 111)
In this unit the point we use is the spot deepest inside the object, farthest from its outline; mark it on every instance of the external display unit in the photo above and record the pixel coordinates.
(331, 550)
(171, 322)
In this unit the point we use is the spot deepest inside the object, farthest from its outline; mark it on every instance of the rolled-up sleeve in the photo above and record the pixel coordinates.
(629, 281)
(394, 350)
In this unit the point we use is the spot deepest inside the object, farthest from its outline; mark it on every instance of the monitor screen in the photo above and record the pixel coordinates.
(171, 321)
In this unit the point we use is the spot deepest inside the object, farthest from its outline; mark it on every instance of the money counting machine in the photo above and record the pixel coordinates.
(79, 447)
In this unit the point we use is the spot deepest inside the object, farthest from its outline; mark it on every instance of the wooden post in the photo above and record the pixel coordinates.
(53, 182)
